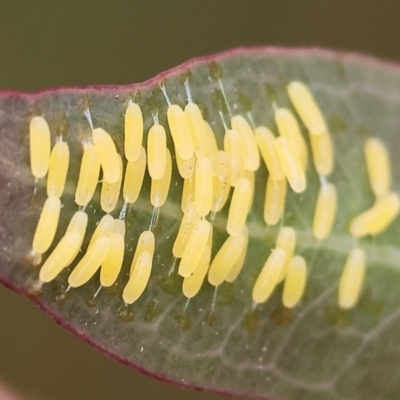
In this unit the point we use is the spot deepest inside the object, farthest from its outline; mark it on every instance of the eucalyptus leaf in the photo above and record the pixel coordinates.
(219, 341)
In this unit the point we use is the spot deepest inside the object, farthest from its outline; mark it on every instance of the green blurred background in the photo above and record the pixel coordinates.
(46, 43)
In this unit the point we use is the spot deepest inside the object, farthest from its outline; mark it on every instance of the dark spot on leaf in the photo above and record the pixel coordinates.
(183, 320)
(282, 316)
(336, 317)
(218, 101)
(215, 70)
(210, 318)
(251, 320)
(226, 294)
(151, 311)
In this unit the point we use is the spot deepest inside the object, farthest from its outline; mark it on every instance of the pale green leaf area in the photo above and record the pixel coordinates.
(315, 351)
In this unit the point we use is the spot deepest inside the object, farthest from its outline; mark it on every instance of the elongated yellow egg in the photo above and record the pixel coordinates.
(289, 128)
(325, 211)
(295, 282)
(180, 131)
(139, 278)
(187, 167)
(88, 175)
(90, 262)
(112, 264)
(146, 242)
(221, 183)
(266, 143)
(203, 186)
(59, 257)
(47, 225)
(275, 196)
(192, 284)
(239, 207)
(378, 218)
(352, 279)
(286, 241)
(187, 193)
(39, 146)
(251, 154)
(134, 175)
(160, 187)
(237, 266)
(268, 277)
(226, 258)
(133, 132)
(307, 108)
(378, 166)
(291, 165)
(110, 191)
(212, 148)
(105, 228)
(322, 152)
(189, 220)
(233, 146)
(157, 151)
(197, 129)
(78, 224)
(58, 168)
(108, 155)
(194, 248)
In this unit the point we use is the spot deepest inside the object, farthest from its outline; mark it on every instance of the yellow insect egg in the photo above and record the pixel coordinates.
(192, 284)
(77, 224)
(212, 148)
(180, 131)
(325, 211)
(187, 193)
(108, 155)
(352, 279)
(194, 248)
(239, 207)
(186, 168)
(286, 241)
(60, 256)
(146, 242)
(295, 282)
(47, 225)
(134, 175)
(378, 166)
(250, 150)
(322, 152)
(289, 128)
(307, 108)
(88, 175)
(237, 266)
(139, 278)
(233, 147)
(378, 218)
(156, 151)
(250, 175)
(133, 132)
(58, 168)
(197, 129)
(40, 144)
(105, 228)
(266, 143)
(203, 186)
(275, 197)
(268, 277)
(160, 187)
(227, 258)
(291, 165)
(221, 183)
(110, 192)
(189, 220)
(90, 262)
(111, 266)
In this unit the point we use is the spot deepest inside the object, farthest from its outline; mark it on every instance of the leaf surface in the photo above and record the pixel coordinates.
(221, 343)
